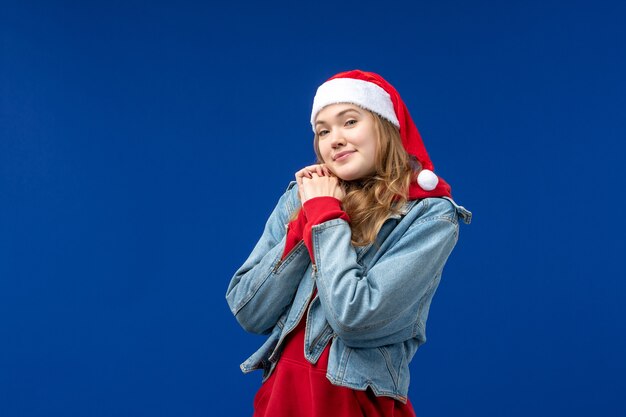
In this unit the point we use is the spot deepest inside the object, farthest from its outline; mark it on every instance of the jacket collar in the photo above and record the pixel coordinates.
(404, 210)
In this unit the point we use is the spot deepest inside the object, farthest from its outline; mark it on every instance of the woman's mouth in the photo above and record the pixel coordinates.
(342, 155)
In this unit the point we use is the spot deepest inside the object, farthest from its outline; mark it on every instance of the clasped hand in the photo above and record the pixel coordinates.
(317, 181)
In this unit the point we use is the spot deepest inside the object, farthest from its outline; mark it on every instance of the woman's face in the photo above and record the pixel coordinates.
(347, 140)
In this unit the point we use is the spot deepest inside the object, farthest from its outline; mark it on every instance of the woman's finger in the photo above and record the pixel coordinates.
(306, 172)
(303, 173)
(319, 169)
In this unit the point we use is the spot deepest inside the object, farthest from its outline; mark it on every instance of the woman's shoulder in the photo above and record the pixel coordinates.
(290, 198)
(438, 207)
(292, 190)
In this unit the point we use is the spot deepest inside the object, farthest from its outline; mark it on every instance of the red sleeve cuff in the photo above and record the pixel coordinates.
(295, 230)
(319, 210)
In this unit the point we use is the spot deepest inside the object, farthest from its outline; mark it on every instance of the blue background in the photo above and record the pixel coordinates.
(143, 145)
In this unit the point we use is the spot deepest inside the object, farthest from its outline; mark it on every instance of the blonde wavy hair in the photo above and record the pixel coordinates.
(369, 201)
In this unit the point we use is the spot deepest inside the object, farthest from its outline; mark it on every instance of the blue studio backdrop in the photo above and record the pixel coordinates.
(143, 145)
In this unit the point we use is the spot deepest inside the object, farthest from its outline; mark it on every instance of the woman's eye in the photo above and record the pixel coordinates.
(350, 122)
(322, 133)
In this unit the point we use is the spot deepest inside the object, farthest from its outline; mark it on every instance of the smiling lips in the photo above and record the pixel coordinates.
(342, 155)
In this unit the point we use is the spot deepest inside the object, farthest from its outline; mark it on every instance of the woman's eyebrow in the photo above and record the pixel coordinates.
(338, 115)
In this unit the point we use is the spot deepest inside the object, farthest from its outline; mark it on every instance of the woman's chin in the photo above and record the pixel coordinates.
(349, 177)
(351, 174)
(346, 175)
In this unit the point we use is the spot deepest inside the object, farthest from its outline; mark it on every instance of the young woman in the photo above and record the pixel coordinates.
(344, 273)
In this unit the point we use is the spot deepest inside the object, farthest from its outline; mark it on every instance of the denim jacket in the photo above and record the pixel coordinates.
(371, 301)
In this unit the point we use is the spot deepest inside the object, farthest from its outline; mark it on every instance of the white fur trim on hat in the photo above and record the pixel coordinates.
(427, 180)
(349, 90)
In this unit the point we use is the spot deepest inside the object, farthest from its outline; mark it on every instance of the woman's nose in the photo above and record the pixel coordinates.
(337, 139)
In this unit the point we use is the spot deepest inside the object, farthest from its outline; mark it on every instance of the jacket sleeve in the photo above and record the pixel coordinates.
(319, 210)
(263, 287)
(387, 303)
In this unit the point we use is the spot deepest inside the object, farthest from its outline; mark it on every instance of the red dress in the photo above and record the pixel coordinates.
(298, 388)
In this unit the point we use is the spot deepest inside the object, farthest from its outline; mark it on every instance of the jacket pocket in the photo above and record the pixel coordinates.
(391, 360)
(260, 358)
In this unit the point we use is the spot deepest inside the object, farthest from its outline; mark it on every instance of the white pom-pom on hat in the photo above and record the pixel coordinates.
(427, 180)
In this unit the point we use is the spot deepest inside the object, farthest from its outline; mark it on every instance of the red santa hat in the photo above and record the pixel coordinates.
(371, 92)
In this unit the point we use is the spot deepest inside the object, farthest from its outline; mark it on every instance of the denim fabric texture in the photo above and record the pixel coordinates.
(371, 301)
